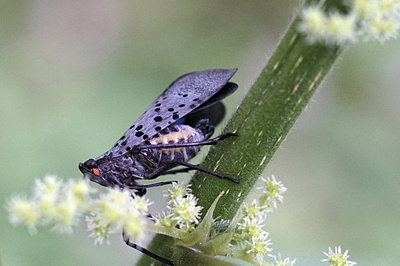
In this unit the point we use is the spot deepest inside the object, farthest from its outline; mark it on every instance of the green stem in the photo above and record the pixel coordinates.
(262, 121)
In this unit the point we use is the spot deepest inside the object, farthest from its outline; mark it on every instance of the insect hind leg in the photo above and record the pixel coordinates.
(212, 141)
(173, 172)
(208, 171)
(144, 251)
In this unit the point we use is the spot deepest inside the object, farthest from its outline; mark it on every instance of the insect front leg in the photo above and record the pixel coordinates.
(145, 251)
(141, 189)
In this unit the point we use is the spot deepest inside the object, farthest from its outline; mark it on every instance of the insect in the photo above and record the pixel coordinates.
(168, 134)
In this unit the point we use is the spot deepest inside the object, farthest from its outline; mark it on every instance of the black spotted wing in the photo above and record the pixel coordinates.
(213, 109)
(225, 91)
(184, 95)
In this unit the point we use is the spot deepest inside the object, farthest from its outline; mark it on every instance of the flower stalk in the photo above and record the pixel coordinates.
(262, 121)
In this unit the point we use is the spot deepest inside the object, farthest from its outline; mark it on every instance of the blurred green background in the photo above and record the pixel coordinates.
(74, 75)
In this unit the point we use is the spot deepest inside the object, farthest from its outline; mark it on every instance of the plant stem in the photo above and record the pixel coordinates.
(262, 121)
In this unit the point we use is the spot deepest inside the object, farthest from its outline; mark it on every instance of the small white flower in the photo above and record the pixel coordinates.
(259, 247)
(49, 187)
(341, 29)
(141, 204)
(112, 206)
(79, 190)
(185, 210)
(118, 196)
(365, 8)
(46, 194)
(177, 190)
(382, 29)
(254, 209)
(273, 191)
(278, 261)
(133, 225)
(388, 8)
(313, 23)
(65, 216)
(23, 212)
(99, 230)
(250, 227)
(164, 219)
(337, 258)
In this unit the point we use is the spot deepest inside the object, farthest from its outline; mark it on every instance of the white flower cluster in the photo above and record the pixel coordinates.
(250, 235)
(115, 211)
(367, 19)
(182, 210)
(60, 204)
(53, 204)
(273, 191)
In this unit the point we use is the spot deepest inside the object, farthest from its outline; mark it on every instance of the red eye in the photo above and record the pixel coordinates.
(95, 171)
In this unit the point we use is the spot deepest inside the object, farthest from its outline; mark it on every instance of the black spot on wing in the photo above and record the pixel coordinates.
(158, 118)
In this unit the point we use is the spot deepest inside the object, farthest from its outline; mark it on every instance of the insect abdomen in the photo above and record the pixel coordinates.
(177, 134)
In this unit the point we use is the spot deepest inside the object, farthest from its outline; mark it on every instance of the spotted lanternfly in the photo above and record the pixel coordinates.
(167, 135)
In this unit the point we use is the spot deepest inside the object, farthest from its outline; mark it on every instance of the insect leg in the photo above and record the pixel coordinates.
(145, 251)
(208, 171)
(157, 184)
(141, 189)
(172, 172)
(190, 144)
